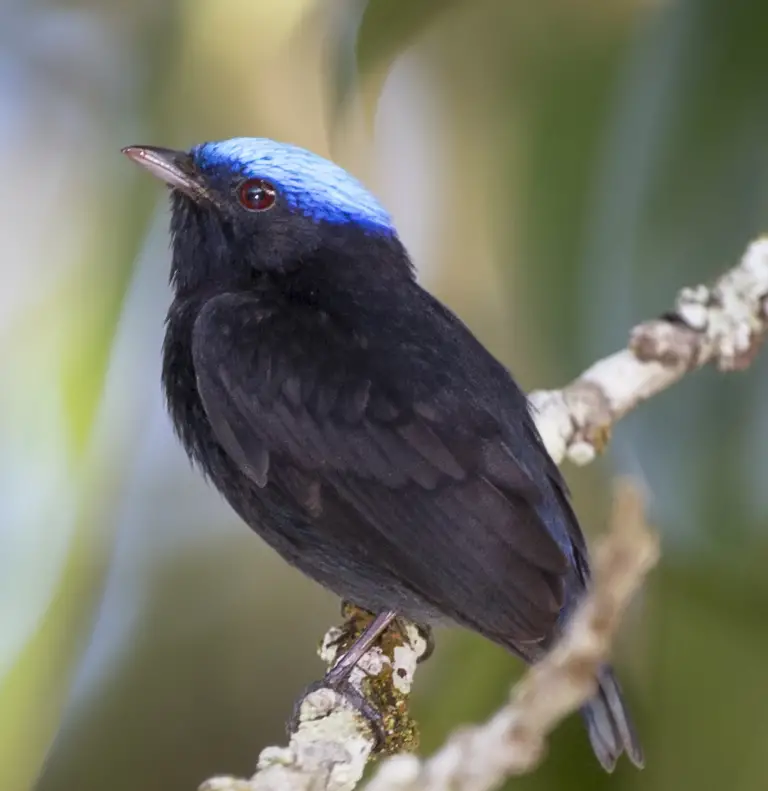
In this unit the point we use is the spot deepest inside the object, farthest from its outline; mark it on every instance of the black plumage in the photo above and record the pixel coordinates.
(353, 421)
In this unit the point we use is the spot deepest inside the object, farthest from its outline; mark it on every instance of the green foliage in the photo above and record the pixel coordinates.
(387, 27)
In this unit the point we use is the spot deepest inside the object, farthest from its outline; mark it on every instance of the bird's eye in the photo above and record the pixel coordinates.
(257, 195)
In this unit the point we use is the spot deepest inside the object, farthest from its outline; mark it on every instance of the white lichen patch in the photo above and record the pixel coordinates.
(329, 648)
(406, 658)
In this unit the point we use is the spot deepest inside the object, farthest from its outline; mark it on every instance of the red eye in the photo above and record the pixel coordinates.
(257, 195)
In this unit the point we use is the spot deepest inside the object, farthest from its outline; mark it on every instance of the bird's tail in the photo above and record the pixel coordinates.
(609, 725)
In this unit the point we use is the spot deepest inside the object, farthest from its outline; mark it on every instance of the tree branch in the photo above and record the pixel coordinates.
(723, 324)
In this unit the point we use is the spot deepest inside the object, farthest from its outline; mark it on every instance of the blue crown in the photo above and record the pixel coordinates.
(310, 184)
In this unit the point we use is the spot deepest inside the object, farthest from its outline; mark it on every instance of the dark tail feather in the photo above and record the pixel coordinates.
(610, 727)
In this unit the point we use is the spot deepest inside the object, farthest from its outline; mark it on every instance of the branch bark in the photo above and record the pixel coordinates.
(724, 324)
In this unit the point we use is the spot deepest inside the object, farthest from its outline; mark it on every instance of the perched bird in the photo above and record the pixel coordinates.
(351, 419)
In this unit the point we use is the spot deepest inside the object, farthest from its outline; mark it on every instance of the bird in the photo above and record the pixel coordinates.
(352, 420)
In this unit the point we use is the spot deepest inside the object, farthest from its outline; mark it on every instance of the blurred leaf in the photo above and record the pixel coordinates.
(35, 688)
(370, 35)
(388, 27)
(708, 648)
(683, 187)
(32, 693)
(126, 217)
(563, 89)
(212, 667)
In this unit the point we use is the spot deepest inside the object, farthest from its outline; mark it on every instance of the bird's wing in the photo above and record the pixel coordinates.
(438, 489)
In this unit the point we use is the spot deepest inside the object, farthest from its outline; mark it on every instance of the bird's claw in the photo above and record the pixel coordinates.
(353, 697)
(361, 630)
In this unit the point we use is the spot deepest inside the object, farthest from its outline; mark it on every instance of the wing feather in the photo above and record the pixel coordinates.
(438, 497)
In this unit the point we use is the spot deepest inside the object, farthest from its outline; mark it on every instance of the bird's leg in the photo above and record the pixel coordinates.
(338, 677)
(341, 670)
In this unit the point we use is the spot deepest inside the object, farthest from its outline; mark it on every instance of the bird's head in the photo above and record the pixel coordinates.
(246, 206)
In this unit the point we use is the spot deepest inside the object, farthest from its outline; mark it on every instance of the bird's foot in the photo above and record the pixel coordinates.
(361, 631)
(375, 696)
(353, 697)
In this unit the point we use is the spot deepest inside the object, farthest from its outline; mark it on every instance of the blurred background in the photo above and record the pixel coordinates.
(558, 170)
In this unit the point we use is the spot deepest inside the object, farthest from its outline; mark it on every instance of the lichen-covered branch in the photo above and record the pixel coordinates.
(723, 324)
(332, 744)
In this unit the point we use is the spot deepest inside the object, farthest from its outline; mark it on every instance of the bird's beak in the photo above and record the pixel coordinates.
(175, 168)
